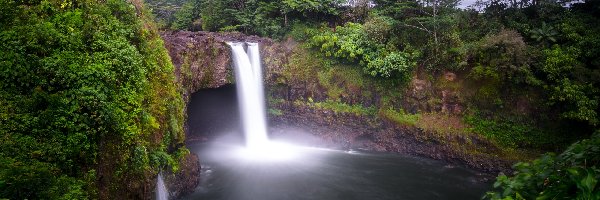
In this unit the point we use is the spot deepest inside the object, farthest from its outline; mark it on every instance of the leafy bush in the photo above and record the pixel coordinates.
(312, 6)
(506, 54)
(378, 28)
(350, 43)
(394, 63)
(574, 174)
(579, 97)
(340, 107)
(512, 132)
(275, 112)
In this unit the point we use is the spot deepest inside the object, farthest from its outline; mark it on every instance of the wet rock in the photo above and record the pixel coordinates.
(450, 102)
(418, 94)
(185, 180)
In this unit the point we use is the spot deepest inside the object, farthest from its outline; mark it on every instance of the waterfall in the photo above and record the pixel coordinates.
(161, 190)
(248, 74)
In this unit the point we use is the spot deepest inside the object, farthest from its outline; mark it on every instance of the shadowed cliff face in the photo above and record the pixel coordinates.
(212, 112)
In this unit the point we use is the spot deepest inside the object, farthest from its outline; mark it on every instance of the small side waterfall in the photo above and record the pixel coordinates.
(161, 189)
(248, 73)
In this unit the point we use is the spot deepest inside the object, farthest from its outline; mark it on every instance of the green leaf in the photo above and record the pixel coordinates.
(588, 183)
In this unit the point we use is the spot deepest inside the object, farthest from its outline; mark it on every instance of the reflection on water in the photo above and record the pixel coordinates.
(330, 174)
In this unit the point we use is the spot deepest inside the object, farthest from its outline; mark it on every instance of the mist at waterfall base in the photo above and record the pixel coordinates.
(238, 167)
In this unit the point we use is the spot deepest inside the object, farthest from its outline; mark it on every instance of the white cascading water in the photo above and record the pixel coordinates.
(254, 55)
(161, 189)
(250, 93)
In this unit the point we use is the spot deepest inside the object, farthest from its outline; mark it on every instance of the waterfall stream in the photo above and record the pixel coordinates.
(161, 189)
(250, 93)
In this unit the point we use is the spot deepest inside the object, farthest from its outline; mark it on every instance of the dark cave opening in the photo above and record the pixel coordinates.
(213, 112)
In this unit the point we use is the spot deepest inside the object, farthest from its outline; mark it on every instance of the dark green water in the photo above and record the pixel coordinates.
(330, 175)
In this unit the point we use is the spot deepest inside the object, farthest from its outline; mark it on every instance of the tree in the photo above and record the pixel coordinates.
(185, 16)
(581, 100)
(429, 25)
(545, 34)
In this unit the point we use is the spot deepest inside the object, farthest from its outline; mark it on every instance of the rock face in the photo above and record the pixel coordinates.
(350, 131)
(203, 59)
(186, 179)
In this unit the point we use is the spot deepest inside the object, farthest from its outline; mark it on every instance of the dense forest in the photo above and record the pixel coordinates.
(89, 105)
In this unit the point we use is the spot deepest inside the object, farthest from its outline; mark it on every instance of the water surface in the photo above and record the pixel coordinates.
(330, 174)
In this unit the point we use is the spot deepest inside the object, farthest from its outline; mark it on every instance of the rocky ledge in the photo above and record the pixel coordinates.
(349, 131)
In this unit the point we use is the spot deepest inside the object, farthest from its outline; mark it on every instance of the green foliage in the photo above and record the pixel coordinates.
(502, 57)
(571, 175)
(346, 42)
(215, 14)
(164, 10)
(185, 16)
(581, 99)
(559, 62)
(266, 20)
(275, 112)
(394, 63)
(311, 6)
(378, 28)
(82, 82)
(429, 26)
(263, 17)
(545, 33)
(37, 180)
(302, 66)
(582, 106)
(400, 117)
(340, 107)
(500, 67)
(302, 31)
(512, 132)
(350, 43)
